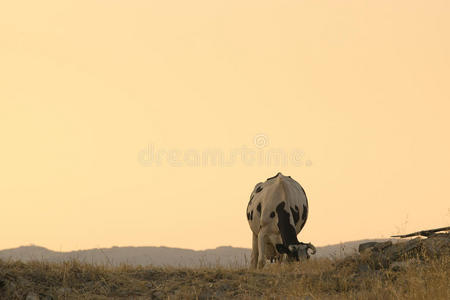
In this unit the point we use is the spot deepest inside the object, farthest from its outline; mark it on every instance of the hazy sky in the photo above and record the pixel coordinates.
(355, 95)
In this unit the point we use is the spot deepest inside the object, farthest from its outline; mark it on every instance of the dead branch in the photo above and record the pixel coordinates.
(425, 233)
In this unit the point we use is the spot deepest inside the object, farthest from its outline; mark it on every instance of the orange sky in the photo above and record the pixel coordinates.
(355, 94)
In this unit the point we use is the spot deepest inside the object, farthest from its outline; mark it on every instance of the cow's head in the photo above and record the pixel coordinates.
(296, 252)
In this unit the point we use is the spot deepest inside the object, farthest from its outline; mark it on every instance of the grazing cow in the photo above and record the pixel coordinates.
(277, 212)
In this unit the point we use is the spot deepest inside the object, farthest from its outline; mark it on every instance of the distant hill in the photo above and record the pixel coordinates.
(162, 256)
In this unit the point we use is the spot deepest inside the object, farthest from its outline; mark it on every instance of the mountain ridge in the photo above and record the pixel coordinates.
(162, 255)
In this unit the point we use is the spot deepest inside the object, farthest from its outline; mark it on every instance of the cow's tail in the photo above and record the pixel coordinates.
(281, 188)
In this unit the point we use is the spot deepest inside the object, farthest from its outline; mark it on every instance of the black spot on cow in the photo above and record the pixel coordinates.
(305, 213)
(287, 231)
(303, 191)
(248, 216)
(251, 215)
(258, 208)
(272, 214)
(295, 214)
(251, 198)
(304, 216)
(258, 189)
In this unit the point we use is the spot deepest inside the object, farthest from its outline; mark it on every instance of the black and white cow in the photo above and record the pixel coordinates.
(277, 212)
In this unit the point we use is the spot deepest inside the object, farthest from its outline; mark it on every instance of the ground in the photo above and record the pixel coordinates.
(416, 274)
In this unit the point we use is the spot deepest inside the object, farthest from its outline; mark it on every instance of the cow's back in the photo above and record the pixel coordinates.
(266, 196)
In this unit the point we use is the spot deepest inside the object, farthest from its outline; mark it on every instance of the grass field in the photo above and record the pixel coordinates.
(355, 277)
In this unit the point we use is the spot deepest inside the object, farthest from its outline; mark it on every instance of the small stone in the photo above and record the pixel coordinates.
(363, 268)
(158, 295)
(396, 268)
(32, 296)
(64, 291)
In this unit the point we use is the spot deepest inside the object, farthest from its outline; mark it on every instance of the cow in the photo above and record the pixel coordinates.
(276, 213)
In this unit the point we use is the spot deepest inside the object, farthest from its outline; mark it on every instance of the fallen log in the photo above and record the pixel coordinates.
(425, 233)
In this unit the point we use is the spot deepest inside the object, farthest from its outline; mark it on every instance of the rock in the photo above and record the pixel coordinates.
(374, 245)
(389, 255)
(365, 246)
(382, 246)
(363, 268)
(401, 265)
(438, 245)
(396, 269)
(32, 296)
(64, 291)
(412, 244)
(398, 266)
(158, 295)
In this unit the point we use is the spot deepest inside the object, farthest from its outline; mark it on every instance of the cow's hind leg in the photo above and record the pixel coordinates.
(261, 249)
(254, 256)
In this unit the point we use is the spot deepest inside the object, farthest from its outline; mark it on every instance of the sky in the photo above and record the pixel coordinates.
(148, 123)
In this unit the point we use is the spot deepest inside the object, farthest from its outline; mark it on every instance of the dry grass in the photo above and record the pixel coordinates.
(355, 277)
